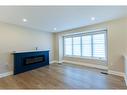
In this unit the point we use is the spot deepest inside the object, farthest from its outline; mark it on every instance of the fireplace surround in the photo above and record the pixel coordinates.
(25, 61)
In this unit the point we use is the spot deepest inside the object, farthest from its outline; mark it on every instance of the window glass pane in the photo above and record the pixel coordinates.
(68, 46)
(99, 45)
(76, 50)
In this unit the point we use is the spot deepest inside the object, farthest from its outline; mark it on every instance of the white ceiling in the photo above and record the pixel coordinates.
(46, 18)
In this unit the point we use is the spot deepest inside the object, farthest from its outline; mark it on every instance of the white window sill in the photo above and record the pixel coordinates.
(89, 58)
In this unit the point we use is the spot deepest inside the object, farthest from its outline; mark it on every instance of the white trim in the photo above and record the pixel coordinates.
(87, 31)
(116, 73)
(60, 61)
(84, 57)
(54, 61)
(87, 64)
(6, 74)
(125, 78)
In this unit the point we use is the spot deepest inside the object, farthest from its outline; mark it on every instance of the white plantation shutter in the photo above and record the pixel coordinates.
(99, 45)
(68, 46)
(77, 46)
(86, 46)
(90, 44)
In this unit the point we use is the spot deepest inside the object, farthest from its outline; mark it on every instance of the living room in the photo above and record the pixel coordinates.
(63, 47)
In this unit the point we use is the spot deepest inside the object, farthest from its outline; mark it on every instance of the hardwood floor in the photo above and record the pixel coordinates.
(64, 76)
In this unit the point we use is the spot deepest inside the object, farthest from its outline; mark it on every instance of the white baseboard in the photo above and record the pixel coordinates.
(60, 61)
(86, 64)
(116, 73)
(125, 78)
(54, 61)
(6, 74)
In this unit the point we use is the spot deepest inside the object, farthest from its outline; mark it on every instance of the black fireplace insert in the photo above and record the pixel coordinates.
(34, 60)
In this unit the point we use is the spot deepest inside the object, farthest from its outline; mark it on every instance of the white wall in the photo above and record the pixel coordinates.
(16, 38)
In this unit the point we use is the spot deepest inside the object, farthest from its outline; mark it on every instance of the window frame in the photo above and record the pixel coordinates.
(91, 33)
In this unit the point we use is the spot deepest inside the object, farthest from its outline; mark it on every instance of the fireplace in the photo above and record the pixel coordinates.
(25, 61)
(34, 60)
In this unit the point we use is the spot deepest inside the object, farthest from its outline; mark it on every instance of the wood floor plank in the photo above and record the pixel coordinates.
(64, 76)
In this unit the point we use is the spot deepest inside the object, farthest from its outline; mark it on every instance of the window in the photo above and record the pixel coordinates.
(90, 44)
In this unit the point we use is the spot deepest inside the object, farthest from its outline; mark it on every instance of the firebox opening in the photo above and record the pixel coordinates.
(33, 60)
